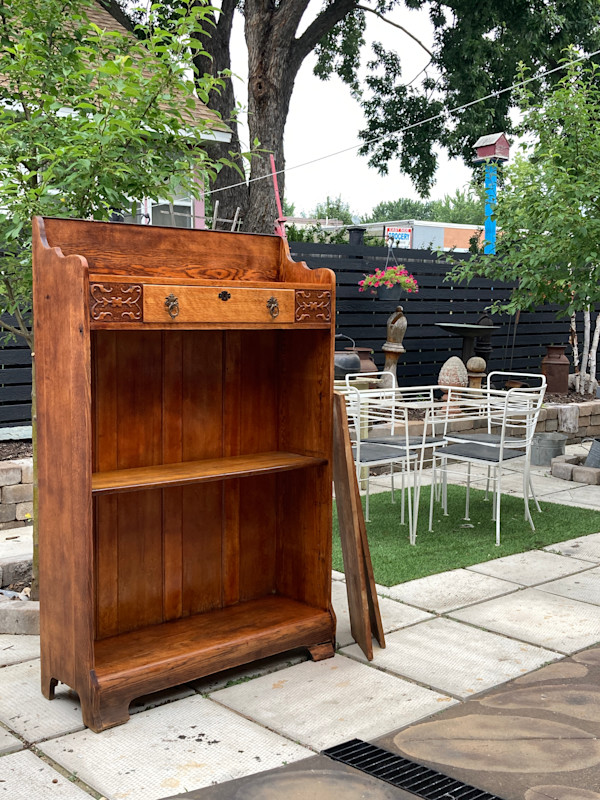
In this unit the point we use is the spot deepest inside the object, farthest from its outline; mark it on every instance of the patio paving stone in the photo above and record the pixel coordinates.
(394, 615)
(531, 568)
(8, 742)
(455, 658)
(175, 748)
(25, 710)
(25, 776)
(585, 548)
(584, 586)
(541, 618)
(449, 590)
(327, 702)
(15, 648)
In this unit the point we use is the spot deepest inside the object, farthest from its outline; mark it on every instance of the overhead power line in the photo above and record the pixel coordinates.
(413, 125)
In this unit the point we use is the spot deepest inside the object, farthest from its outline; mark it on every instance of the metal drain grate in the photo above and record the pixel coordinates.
(403, 773)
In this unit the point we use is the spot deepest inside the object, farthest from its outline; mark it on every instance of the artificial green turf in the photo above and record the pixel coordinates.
(452, 545)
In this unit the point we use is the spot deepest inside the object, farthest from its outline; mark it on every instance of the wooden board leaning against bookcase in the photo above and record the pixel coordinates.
(184, 390)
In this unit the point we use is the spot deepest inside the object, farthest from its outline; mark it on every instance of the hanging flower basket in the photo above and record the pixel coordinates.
(389, 283)
(390, 292)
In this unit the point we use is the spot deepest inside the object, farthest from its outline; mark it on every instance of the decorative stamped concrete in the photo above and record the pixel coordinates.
(175, 748)
(14, 648)
(317, 778)
(324, 703)
(454, 658)
(531, 568)
(27, 777)
(536, 738)
(541, 618)
(449, 590)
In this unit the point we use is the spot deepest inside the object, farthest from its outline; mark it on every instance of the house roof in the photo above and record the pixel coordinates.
(97, 14)
(491, 138)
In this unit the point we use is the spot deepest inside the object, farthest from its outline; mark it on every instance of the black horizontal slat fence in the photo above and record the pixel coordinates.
(363, 317)
(15, 379)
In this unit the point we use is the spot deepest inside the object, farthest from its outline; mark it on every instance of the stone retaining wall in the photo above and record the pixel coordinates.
(589, 421)
(16, 493)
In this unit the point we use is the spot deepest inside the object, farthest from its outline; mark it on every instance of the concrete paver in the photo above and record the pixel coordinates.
(541, 618)
(394, 615)
(324, 703)
(454, 658)
(531, 568)
(584, 586)
(449, 590)
(17, 541)
(585, 548)
(25, 776)
(15, 648)
(9, 743)
(26, 711)
(175, 748)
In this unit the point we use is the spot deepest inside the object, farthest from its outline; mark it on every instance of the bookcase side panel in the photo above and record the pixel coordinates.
(63, 465)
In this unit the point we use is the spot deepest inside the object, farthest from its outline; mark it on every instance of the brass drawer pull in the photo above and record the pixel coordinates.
(273, 306)
(172, 305)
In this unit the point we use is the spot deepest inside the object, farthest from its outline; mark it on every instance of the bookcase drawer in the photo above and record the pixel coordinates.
(215, 304)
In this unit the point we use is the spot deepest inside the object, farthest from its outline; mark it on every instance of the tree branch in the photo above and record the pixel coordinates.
(321, 25)
(23, 330)
(395, 24)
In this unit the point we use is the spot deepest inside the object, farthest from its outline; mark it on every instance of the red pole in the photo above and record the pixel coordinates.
(279, 226)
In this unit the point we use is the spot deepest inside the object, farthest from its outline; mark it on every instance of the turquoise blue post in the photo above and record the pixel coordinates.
(491, 183)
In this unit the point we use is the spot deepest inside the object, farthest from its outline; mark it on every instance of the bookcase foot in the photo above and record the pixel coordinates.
(104, 713)
(48, 686)
(319, 652)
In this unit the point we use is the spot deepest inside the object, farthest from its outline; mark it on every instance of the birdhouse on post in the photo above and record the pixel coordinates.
(492, 150)
(494, 146)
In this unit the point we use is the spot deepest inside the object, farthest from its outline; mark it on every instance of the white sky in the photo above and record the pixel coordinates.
(324, 119)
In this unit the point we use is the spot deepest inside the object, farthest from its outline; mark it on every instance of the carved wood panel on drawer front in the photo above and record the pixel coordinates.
(313, 305)
(116, 302)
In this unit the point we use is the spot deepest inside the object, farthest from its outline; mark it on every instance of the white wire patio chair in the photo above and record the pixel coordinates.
(361, 409)
(386, 420)
(511, 417)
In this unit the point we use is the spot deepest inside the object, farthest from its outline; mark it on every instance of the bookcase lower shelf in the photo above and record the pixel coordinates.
(159, 656)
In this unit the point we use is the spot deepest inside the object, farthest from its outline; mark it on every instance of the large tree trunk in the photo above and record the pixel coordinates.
(274, 58)
(271, 75)
(224, 103)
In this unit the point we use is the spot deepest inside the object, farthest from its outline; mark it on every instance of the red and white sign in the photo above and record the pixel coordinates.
(397, 237)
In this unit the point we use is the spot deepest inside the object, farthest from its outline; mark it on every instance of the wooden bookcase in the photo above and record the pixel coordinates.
(184, 432)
